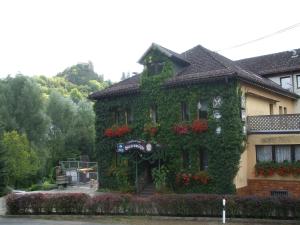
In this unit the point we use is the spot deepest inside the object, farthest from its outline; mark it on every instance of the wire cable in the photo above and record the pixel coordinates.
(261, 38)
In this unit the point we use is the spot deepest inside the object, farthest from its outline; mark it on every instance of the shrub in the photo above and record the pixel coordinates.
(38, 203)
(162, 205)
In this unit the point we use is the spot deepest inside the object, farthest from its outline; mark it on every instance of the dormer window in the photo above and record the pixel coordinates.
(286, 83)
(155, 68)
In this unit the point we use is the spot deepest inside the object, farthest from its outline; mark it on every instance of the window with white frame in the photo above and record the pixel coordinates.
(298, 81)
(283, 153)
(286, 82)
(278, 153)
(297, 153)
(264, 153)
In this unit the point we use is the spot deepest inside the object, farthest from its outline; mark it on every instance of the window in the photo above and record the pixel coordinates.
(264, 153)
(282, 153)
(186, 159)
(128, 116)
(271, 109)
(280, 110)
(185, 114)
(202, 109)
(277, 153)
(286, 83)
(155, 68)
(297, 153)
(203, 159)
(298, 81)
(117, 116)
(284, 110)
(153, 114)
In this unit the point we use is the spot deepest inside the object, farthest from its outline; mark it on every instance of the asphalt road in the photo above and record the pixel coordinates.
(116, 220)
(28, 221)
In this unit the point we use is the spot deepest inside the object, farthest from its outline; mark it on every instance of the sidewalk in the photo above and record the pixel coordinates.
(2, 206)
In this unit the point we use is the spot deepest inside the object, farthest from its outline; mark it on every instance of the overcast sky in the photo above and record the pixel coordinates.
(43, 37)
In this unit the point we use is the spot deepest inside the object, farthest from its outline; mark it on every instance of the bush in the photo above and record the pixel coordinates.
(38, 203)
(162, 205)
(44, 186)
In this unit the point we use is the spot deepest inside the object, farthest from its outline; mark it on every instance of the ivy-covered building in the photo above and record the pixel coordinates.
(182, 124)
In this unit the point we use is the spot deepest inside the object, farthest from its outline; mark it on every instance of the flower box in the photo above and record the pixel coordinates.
(199, 126)
(117, 131)
(268, 169)
(181, 129)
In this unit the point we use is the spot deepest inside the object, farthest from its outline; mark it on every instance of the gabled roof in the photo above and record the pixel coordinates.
(281, 62)
(202, 65)
(170, 54)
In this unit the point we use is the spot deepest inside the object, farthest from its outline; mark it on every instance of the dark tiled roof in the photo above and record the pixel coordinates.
(169, 53)
(281, 62)
(204, 65)
(128, 86)
(220, 67)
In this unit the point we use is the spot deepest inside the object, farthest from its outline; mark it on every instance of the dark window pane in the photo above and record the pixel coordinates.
(128, 116)
(153, 114)
(203, 159)
(185, 159)
(185, 114)
(202, 109)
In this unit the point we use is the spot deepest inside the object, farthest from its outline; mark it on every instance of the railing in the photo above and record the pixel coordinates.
(287, 123)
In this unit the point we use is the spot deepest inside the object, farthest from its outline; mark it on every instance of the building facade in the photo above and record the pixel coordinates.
(213, 124)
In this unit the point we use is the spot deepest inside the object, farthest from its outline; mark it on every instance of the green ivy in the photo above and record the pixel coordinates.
(224, 150)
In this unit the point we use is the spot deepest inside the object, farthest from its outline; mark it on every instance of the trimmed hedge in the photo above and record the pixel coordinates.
(162, 205)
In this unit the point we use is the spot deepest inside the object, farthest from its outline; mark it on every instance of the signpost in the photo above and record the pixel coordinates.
(224, 212)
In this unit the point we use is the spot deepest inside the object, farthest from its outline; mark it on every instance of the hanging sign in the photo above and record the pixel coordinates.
(134, 145)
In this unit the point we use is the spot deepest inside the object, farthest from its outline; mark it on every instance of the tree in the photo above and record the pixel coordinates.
(80, 74)
(22, 108)
(3, 171)
(62, 112)
(96, 85)
(20, 159)
(84, 129)
(75, 95)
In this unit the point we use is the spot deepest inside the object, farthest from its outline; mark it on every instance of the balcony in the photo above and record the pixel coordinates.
(287, 123)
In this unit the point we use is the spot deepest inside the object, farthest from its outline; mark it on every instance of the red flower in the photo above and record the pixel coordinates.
(109, 132)
(200, 126)
(117, 131)
(181, 129)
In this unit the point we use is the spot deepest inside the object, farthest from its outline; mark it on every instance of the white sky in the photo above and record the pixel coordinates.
(46, 36)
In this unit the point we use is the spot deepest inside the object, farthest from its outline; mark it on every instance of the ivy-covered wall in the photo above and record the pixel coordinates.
(224, 149)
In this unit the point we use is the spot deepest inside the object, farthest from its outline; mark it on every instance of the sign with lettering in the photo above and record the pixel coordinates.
(134, 145)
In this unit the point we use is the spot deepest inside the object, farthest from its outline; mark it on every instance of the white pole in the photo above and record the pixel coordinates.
(224, 213)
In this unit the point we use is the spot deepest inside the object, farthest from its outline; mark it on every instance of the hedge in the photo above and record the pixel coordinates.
(196, 205)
